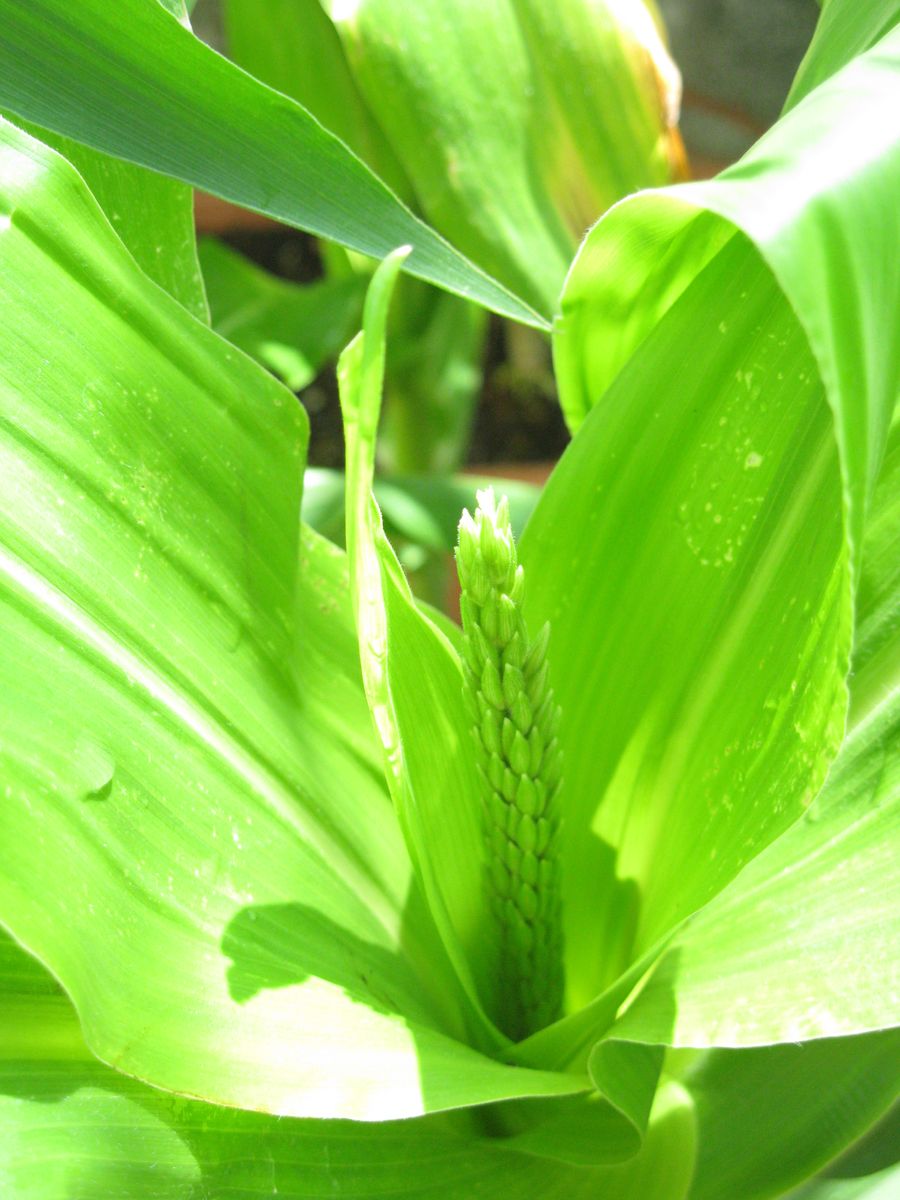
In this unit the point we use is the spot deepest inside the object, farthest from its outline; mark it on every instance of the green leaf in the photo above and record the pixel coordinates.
(123, 79)
(292, 329)
(293, 46)
(72, 1129)
(814, 195)
(488, 110)
(701, 710)
(195, 819)
(880, 1186)
(153, 216)
(409, 669)
(617, 95)
(845, 29)
(876, 644)
(415, 690)
(769, 1118)
(701, 625)
(877, 1149)
(823, 900)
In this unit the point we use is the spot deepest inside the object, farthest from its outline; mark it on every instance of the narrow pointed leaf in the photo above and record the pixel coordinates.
(413, 681)
(293, 46)
(514, 191)
(123, 79)
(846, 29)
(153, 216)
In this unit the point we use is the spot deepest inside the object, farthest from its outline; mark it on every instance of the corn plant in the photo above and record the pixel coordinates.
(311, 890)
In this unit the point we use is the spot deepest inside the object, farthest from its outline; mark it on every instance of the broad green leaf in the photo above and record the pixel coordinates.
(293, 329)
(769, 1118)
(846, 29)
(72, 1129)
(700, 626)
(714, 699)
(823, 900)
(487, 107)
(815, 196)
(198, 838)
(123, 79)
(293, 46)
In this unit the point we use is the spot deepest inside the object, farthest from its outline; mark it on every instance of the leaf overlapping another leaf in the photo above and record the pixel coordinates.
(131, 92)
(192, 796)
(180, 680)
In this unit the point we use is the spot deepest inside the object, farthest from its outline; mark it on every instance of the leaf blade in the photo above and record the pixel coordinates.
(131, 72)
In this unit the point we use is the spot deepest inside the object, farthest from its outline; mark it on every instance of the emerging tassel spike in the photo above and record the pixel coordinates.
(507, 685)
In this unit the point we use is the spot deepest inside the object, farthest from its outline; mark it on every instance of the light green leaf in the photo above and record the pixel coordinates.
(845, 29)
(409, 670)
(123, 79)
(824, 899)
(701, 625)
(198, 839)
(701, 710)
(814, 195)
(72, 1129)
(486, 107)
(293, 329)
(769, 1118)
